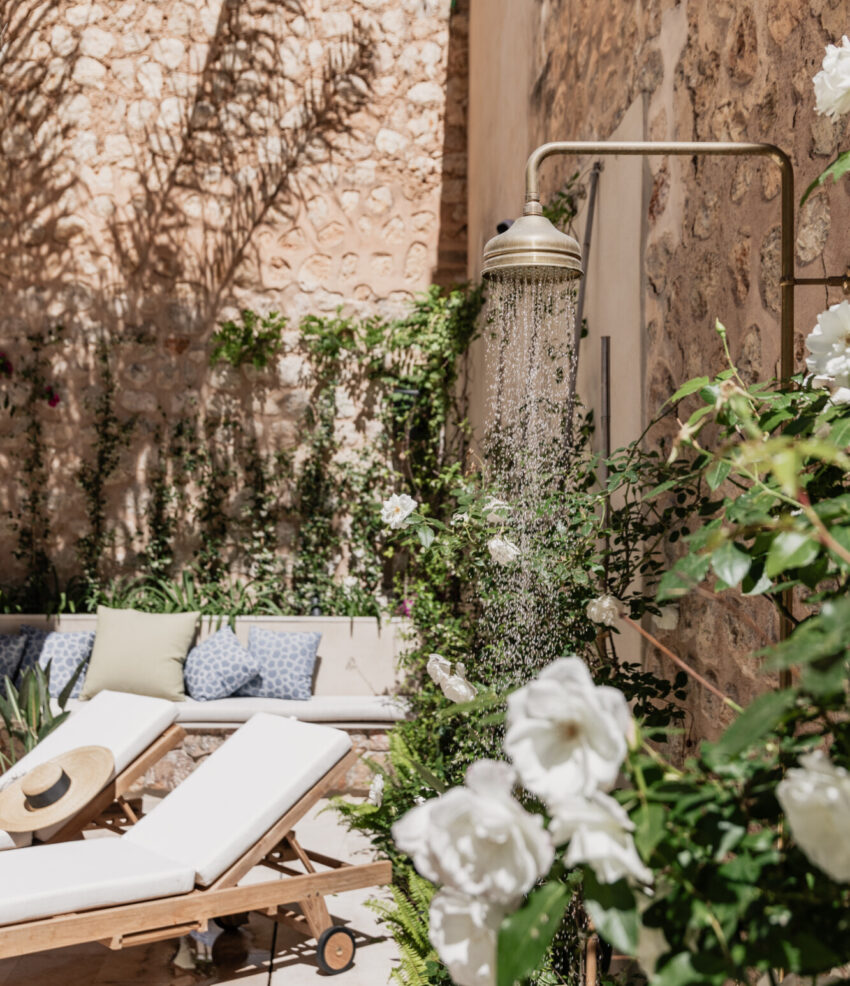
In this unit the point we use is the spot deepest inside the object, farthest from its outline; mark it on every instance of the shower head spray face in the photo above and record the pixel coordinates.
(532, 242)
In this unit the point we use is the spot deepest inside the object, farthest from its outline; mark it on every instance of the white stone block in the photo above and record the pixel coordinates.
(426, 93)
(135, 41)
(140, 113)
(96, 42)
(88, 71)
(168, 52)
(62, 40)
(149, 76)
(83, 13)
(390, 141)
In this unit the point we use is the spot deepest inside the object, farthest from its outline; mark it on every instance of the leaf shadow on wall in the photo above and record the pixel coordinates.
(213, 172)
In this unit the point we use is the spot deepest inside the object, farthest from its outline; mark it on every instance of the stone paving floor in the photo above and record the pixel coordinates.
(294, 963)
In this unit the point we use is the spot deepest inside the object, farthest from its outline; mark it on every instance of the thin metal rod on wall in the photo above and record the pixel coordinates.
(585, 253)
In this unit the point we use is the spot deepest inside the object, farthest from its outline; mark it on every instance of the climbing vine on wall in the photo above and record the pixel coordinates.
(229, 525)
(109, 436)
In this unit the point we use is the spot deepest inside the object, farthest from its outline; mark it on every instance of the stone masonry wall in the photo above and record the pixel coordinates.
(701, 70)
(166, 164)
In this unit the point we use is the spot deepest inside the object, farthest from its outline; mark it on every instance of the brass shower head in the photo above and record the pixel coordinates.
(532, 241)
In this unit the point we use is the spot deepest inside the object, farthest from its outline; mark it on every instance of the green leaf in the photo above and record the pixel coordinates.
(686, 969)
(759, 718)
(426, 535)
(790, 549)
(526, 935)
(716, 473)
(839, 167)
(649, 822)
(730, 563)
(691, 387)
(428, 776)
(612, 908)
(688, 572)
(839, 433)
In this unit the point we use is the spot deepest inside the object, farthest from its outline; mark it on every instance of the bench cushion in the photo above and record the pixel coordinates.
(334, 709)
(72, 876)
(237, 794)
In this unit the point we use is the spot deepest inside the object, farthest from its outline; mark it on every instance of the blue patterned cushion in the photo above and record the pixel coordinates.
(219, 666)
(32, 649)
(11, 651)
(65, 652)
(286, 664)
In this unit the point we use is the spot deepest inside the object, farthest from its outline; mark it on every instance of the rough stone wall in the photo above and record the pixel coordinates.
(166, 164)
(703, 70)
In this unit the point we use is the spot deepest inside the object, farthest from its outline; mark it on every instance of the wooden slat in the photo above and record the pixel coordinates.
(120, 785)
(157, 934)
(172, 912)
(282, 827)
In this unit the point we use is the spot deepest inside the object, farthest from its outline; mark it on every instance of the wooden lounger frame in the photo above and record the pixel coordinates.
(111, 809)
(169, 917)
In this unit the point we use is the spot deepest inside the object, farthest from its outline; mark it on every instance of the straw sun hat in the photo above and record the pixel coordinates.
(56, 790)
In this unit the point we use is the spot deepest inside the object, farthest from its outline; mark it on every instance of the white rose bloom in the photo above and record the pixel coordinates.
(832, 83)
(816, 800)
(438, 668)
(599, 834)
(464, 931)
(841, 395)
(496, 511)
(376, 791)
(477, 838)
(350, 582)
(829, 346)
(604, 609)
(565, 735)
(456, 688)
(502, 551)
(397, 509)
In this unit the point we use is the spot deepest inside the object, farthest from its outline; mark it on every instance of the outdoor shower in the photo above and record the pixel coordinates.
(533, 256)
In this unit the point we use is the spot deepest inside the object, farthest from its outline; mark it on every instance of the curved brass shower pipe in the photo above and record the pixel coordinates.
(643, 148)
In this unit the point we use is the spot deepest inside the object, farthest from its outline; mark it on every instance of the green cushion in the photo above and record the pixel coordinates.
(141, 653)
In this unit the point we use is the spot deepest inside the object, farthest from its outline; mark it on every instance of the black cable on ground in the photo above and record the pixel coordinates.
(271, 953)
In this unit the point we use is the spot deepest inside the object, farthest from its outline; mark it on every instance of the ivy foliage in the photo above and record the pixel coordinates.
(232, 526)
(254, 340)
(734, 895)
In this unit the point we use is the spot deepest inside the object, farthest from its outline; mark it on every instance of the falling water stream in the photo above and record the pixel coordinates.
(528, 454)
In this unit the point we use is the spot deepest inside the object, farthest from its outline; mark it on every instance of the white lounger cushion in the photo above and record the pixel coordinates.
(238, 793)
(319, 708)
(72, 876)
(126, 724)
(364, 709)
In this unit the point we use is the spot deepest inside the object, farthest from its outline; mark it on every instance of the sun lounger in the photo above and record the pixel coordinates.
(138, 731)
(180, 866)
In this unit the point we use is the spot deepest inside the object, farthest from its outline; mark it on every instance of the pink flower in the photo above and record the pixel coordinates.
(52, 395)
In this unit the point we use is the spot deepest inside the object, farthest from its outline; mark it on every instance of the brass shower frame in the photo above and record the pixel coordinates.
(787, 282)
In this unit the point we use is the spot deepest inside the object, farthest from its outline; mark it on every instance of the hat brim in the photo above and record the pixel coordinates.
(89, 769)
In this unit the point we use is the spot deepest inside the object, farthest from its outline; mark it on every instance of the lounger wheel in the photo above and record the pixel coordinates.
(335, 952)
